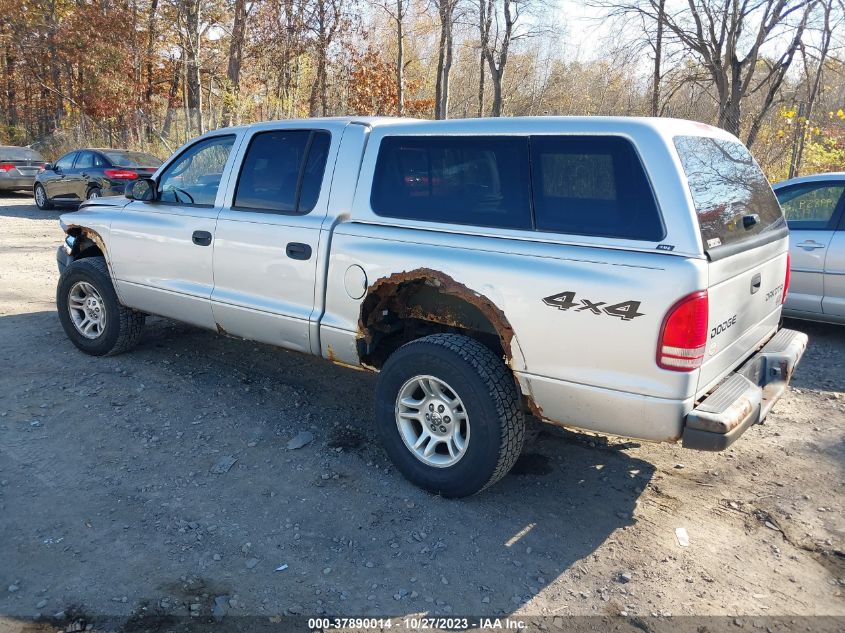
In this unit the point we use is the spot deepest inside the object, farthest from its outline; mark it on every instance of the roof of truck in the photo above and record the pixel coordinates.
(517, 125)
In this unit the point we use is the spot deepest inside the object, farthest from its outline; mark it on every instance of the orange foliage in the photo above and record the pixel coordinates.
(372, 89)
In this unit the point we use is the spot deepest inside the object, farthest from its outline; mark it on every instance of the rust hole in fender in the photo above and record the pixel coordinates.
(402, 306)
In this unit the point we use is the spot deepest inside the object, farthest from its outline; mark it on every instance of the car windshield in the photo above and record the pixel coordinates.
(132, 159)
(19, 153)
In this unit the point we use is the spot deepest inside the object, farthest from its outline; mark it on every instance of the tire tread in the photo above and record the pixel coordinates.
(501, 387)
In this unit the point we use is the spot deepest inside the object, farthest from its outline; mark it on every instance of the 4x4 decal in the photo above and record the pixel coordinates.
(625, 310)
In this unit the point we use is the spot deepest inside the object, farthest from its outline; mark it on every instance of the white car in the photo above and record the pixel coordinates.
(815, 211)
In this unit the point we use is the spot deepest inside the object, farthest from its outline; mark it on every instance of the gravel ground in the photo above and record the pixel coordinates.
(116, 503)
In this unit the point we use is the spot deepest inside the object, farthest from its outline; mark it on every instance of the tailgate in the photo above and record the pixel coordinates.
(745, 238)
(745, 294)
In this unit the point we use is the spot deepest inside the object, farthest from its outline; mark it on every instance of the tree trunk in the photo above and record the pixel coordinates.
(171, 99)
(148, 92)
(446, 10)
(233, 71)
(484, 17)
(192, 65)
(658, 55)
(317, 88)
(400, 58)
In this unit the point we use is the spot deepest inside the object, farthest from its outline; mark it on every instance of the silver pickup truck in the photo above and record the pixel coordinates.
(618, 275)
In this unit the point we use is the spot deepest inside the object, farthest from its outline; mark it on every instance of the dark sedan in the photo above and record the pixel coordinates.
(18, 167)
(90, 173)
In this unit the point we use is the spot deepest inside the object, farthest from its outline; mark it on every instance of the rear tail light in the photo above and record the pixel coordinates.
(120, 174)
(6, 167)
(683, 335)
(786, 280)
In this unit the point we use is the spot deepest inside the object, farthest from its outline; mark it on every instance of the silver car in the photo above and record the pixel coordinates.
(815, 210)
(623, 276)
(18, 167)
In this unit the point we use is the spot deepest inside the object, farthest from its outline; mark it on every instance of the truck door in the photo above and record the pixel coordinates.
(163, 248)
(265, 253)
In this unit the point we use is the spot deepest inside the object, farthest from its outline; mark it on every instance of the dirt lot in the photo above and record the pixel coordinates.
(111, 508)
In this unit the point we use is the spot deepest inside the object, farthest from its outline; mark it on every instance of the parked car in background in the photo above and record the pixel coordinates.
(18, 167)
(90, 173)
(815, 211)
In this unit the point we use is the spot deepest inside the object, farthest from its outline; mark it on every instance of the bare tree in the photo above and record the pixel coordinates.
(397, 11)
(328, 15)
(446, 12)
(233, 68)
(727, 37)
(814, 78)
(485, 23)
(504, 22)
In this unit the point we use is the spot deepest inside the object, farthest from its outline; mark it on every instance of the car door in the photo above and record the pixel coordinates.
(162, 249)
(812, 210)
(76, 178)
(265, 252)
(55, 181)
(833, 303)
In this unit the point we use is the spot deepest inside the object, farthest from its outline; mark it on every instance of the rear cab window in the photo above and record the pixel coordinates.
(570, 184)
(282, 172)
(733, 200)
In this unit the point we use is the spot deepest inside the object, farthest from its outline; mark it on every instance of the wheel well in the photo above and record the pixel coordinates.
(410, 305)
(88, 244)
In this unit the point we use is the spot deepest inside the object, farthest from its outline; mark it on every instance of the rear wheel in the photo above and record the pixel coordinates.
(94, 193)
(90, 313)
(41, 199)
(448, 414)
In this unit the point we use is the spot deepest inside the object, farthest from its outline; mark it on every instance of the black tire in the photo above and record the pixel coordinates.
(44, 204)
(92, 191)
(123, 326)
(489, 394)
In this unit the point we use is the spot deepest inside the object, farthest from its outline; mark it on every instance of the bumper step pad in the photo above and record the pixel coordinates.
(746, 396)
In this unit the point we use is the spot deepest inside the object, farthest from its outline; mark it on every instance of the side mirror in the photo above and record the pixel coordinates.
(143, 189)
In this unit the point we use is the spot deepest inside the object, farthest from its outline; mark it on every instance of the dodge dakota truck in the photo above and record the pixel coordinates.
(622, 276)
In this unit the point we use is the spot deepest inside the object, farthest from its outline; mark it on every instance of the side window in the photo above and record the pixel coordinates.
(592, 185)
(811, 205)
(66, 161)
(195, 176)
(475, 180)
(99, 161)
(85, 160)
(282, 171)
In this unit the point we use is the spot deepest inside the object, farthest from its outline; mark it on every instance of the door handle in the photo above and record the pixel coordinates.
(297, 250)
(201, 238)
(811, 245)
(84, 175)
(756, 282)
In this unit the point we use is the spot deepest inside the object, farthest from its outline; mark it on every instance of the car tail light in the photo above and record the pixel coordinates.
(6, 167)
(683, 335)
(786, 280)
(120, 174)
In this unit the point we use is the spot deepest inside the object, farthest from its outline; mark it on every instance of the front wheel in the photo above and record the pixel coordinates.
(90, 313)
(448, 414)
(41, 199)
